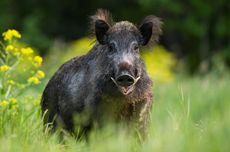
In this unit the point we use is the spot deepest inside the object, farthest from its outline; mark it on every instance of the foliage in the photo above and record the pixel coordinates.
(194, 30)
(19, 69)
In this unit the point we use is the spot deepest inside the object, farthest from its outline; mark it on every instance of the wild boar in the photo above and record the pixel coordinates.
(110, 82)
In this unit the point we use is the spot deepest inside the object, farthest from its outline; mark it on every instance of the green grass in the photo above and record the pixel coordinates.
(189, 114)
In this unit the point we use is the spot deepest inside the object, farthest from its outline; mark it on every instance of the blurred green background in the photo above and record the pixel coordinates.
(189, 66)
(194, 30)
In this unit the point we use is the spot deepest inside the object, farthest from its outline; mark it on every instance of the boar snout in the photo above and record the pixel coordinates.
(125, 82)
(125, 79)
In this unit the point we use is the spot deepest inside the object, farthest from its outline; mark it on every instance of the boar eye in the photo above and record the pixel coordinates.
(136, 47)
(111, 46)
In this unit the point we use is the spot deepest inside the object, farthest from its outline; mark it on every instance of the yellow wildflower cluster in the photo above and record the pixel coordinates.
(36, 79)
(17, 63)
(15, 49)
(4, 68)
(11, 49)
(11, 101)
(27, 51)
(33, 80)
(4, 103)
(159, 63)
(9, 34)
(37, 60)
(40, 74)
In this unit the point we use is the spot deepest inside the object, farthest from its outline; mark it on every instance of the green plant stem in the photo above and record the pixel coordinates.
(21, 90)
(8, 91)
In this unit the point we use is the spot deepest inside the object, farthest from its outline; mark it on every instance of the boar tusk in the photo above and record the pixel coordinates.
(135, 80)
(114, 81)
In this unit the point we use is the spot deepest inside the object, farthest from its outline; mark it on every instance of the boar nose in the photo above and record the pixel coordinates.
(125, 79)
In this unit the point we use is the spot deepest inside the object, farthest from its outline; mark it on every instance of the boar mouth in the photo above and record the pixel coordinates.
(126, 89)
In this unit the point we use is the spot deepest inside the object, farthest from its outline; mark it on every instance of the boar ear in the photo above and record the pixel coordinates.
(150, 29)
(100, 24)
(101, 29)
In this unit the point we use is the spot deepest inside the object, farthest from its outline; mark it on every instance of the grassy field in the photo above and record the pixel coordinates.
(189, 114)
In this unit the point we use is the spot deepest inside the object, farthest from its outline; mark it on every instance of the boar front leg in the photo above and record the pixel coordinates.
(141, 115)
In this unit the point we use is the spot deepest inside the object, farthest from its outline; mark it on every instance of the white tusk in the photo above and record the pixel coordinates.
(114, 81)
(135, 81)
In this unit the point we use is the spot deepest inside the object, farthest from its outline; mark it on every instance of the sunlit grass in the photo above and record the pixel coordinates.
(189, 114)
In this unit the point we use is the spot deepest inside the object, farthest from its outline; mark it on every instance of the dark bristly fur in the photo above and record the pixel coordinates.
(156, 28)
(101, 14)
(81, 94)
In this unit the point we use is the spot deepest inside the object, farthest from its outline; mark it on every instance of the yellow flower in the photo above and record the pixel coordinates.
(33, 80)
(9, 47)
(4, 68)
(38, 60)
(11, 82)
(9, 34)
(12, 49)
(40, 74)
(160, 63)
(4, 103)
(27, 51)
(13, 100)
